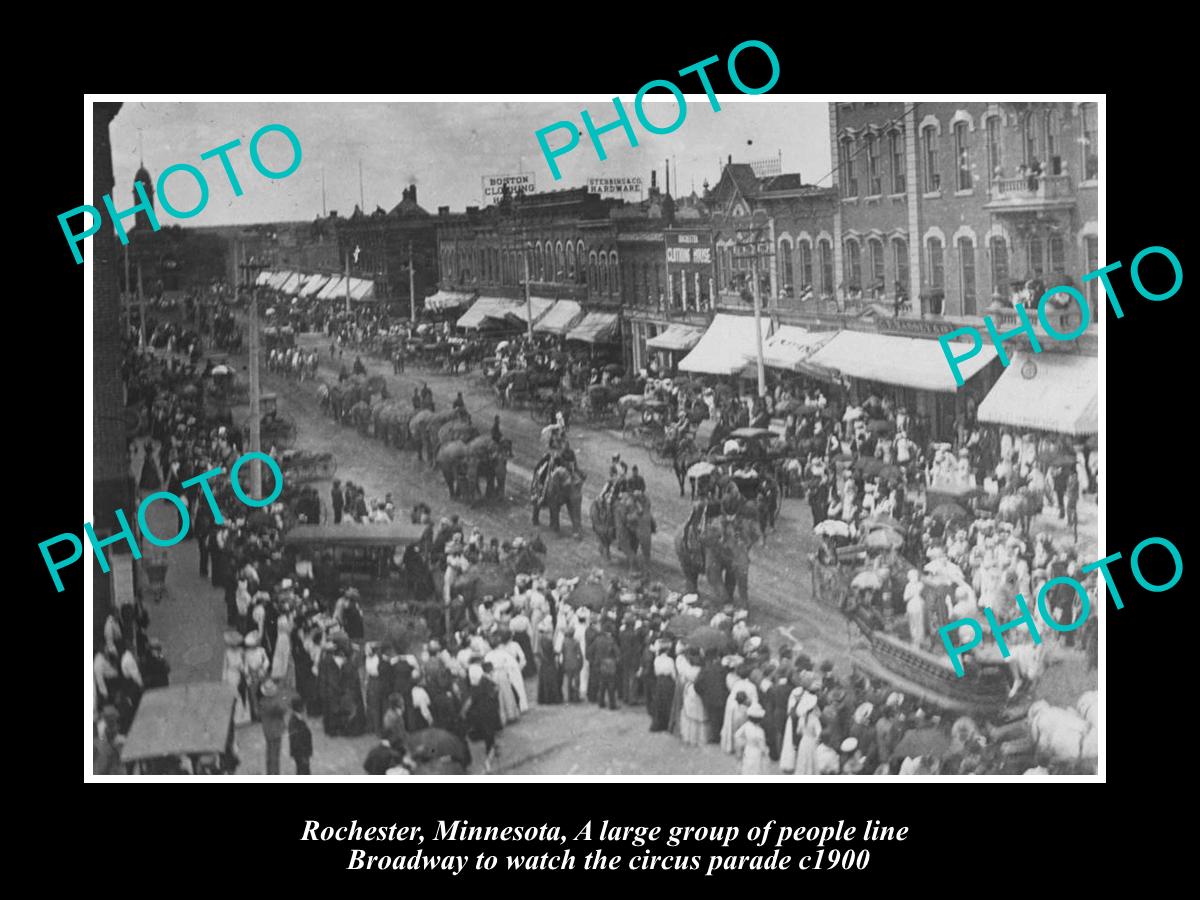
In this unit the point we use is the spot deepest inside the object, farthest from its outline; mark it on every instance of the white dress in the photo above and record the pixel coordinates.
(751, 740)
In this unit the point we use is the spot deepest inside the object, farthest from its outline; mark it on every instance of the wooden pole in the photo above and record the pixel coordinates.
(256, 488)
(762, 376)
(412, 297)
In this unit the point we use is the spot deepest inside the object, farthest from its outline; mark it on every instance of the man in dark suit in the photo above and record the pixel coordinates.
(635, 482)
(338, 501)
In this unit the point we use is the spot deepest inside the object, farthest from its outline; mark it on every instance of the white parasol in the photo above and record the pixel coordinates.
(833, 528)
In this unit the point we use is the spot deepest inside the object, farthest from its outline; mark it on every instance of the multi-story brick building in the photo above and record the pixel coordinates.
(384, 241)
(957, 203)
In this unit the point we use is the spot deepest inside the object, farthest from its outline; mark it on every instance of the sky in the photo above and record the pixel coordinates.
(443, 147)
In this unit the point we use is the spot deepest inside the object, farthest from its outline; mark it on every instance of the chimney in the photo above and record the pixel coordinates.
(443, 210)
(654, 179)
(412, 192)
(731, 159)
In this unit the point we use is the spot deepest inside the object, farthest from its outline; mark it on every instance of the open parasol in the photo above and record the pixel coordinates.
(948, 512)
(683, 625)
(589, 594)
(708, 638)
(435, 743)
(833, 528)
(883, 521)
(701, 469)
(884, 539)
(923, 742)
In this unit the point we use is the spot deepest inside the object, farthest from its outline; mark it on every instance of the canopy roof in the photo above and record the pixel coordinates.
(790, 344)
(447, 300)
(292, 283)
(187, 718)
(1047, 392)
(726, 345)
(313, 284)
(373, 534)
(485, 308)
(561, 317)
(596, 328)
(676, 337)
(903, 361)
(335, 288)
(539, 305)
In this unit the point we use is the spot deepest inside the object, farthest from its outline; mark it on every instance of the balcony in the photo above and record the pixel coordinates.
(1031, 193)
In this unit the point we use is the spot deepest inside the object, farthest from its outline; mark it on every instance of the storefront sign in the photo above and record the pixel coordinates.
(493, 186)
(615, 187)
(689, 249)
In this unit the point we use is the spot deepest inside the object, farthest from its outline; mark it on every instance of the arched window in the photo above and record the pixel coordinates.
(570, 261)
(878, 281)
(1050, 127)
(558, 261)
(1029, 137)
(933, 177)
(896, 142)
(825, 257)
(900, 252)
(849, 181)
(966, 274)
(994, 145)
(581, 254)
(853, 264)
(785, 263)
(603, 286)
(1089, 146)
(614, 281)
(874, 178)
(593, 271)
(937, 272)
(539, 261)
(999, 250)
(962, 156)
(804, 251)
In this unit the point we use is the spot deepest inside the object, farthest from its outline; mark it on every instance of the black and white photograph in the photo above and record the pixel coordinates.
(515, 436)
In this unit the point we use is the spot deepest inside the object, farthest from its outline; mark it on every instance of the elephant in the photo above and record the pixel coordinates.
(337, 401)
(451, 461)
(377, 409)
(376, 384)
(416, 429)
(323, 396)
(456, 430)
(429, 434)
(722, 553)
(487, 459)
(1020, 507)
(392, 425)
(360, 414)
(563, 487)
(628, 523)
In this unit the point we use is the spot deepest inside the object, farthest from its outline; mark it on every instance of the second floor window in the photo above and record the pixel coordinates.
(962, 156)
(877, 276)
(933, 178)
(825, 251)
(876, 181)
(999, 267)
(1057, 256)
(806, 271)
(853, 266)
(900, 249)
(899, 165)
(785, 263)
(966, 268)
(993, 146)
(1088, 143)
(937, 272)
(849, 182)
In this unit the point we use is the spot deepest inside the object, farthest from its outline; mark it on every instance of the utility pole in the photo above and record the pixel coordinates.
(749, 239)
(528, 302)
(141, 311)
(412, 297)
(347, 284)
(256, 488)
(128, 291)
(758, 350)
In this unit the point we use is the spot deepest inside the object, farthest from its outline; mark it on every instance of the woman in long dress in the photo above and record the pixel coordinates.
(549, 675)
(482, 713)
(693, 720)
(751, 741)
(282, 669)
(232, 674)
(686, 671)
(735, 708)
(808, 723)
(500, 661)
(663, 691)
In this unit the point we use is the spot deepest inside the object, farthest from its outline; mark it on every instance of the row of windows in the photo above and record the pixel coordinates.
(1041, 147)
(546, 263)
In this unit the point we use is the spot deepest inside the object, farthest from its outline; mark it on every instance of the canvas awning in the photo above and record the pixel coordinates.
(539, 305)
(561, 318)
(891, 359)
(313, 285)
(1056, 393)
(447, 300)
(263, 277)
(292, 283)
(485, 308)
(596, 328)
(725, 347)
(335, 289)
(676, 337)
(276, 281)
(790, 344)
(361, 289)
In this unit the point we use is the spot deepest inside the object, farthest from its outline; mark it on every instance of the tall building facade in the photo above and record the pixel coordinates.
(958, 205)
(380, 245)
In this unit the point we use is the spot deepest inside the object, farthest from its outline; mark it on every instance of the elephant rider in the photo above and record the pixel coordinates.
(559, 455)
(359, 368)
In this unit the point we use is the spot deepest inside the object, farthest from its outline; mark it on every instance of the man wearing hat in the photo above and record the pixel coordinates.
(272, 712)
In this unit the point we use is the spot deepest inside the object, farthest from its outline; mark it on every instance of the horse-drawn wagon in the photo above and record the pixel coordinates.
(302, 466)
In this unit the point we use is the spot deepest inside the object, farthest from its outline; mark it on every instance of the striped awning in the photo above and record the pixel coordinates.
(790, 345)
(596, 328)
(561, 318)
(335, 289)
(313, 285)
(361, 289)
(677, 337)
(1053, 392)
(292, 283)
(891, 359)
(483, 309)
(263, 277)
(276, 281)
(539, 306)
(447, 300)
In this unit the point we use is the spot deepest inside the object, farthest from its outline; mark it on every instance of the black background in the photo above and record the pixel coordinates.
(960, 834)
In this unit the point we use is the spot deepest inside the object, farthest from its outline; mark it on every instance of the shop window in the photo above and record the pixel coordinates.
(966, 269)
(962, 156)
(896, 138)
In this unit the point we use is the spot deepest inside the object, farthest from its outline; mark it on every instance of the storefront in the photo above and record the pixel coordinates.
(913, 373)
(671, 344)
(1049, 392)
(487, 312)
(519, 315)
(726, 347)
(560, 319)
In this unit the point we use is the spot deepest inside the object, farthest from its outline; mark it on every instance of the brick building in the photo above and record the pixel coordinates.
(384, 241)
(956, 202)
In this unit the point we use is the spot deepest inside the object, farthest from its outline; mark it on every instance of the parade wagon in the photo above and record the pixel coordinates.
(192, 722)
(301, 466)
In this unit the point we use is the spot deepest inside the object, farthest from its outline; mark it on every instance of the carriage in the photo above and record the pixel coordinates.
(189, 721)
(300, 466)
(274, 430)
(598, 405)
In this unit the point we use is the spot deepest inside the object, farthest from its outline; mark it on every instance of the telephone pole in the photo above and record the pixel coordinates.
(412, 297)
(256, 488)
(749, 246)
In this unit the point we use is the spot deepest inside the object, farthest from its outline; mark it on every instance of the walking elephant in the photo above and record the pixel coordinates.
(563, 487)
(629, 524)
(416, 430)
(391, 424)
(722, 553)
(457, 430)
(487, 459)
(451, 461)
(433, 425)
(361, 415)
